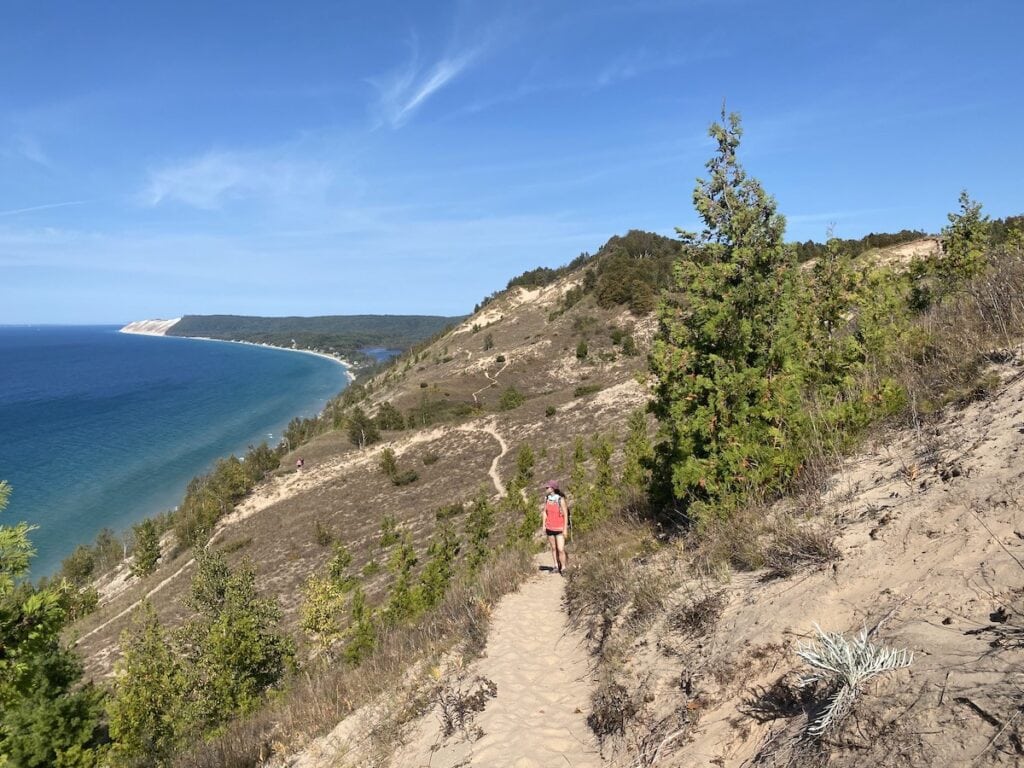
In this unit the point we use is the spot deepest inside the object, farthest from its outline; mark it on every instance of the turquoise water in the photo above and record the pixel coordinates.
(101, 429)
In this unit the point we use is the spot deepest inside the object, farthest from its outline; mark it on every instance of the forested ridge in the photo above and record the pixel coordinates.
(343, 335)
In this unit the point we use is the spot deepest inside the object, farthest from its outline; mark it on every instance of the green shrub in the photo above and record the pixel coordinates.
(322, 535)
(510, 399)
(581, 350)
(388, 463)
(586, 389)
(549, 411)
(448, 512)
(389, 417)
(404, 477)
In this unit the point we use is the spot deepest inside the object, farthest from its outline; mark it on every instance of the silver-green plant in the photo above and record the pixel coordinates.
(845, 665)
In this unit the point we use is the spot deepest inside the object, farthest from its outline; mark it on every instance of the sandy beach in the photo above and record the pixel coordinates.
(160, 328)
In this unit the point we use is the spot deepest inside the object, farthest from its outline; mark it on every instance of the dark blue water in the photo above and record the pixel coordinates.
(100, 429)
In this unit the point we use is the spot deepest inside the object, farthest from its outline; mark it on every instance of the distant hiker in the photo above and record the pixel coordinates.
(555, 521)
(299, 464)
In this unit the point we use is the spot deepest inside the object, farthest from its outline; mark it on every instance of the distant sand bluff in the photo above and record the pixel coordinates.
(151, 327)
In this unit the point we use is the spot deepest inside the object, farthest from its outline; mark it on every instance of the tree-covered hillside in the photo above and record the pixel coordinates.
(341, 334)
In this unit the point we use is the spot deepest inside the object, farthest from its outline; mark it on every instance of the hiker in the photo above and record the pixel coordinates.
(299, 464)
(555, 522)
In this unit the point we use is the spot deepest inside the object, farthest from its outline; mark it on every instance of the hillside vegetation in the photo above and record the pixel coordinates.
(704, 400)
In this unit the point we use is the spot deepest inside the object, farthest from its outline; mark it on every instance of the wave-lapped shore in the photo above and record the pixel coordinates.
(160, 328)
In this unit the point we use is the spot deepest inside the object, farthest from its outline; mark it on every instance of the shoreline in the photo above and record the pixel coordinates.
(346, 364)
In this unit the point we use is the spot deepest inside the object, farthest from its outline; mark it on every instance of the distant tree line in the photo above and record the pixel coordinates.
(811, 250)
(344, 335)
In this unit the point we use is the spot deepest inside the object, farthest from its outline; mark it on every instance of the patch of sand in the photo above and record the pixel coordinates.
(151, 327)
(540, 670)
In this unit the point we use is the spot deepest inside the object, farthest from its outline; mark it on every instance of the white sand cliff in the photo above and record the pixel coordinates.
(151, 327)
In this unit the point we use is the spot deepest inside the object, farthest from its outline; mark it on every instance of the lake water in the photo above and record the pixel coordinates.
(101, 429)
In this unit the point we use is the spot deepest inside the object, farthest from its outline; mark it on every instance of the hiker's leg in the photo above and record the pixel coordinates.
(553, 540)
(560, 550)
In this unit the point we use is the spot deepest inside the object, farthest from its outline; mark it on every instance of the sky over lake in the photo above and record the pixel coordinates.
(168, 158)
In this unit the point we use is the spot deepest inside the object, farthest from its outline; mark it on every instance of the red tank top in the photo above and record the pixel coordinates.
(554, 520)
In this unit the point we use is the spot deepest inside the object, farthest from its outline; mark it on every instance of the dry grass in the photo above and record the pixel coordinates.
(698, 616)
(615, 584)
(795, 546)
(318, 699)
(978, 325)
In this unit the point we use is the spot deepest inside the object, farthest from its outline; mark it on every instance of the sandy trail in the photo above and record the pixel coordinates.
(540, 668)
(492, 380)
(491, 429)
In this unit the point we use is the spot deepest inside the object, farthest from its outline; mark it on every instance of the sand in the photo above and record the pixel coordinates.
(540, 669)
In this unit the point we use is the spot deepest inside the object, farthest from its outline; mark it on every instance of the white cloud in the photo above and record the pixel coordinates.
(26, 147)
(215, 178)
(45, 207)
(405, 91)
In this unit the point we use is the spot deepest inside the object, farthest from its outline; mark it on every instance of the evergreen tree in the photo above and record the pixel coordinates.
(49, 718)
(338, 565)
(525, 460)
(234, 649)
(389, 417)
(362, 431)
(727, 397)
(147, 548)
(388, 462)
(437, 573)
(388, 532)
(322, 605)
(636, 471)
(964, 242)
(479, 524)
(362, 634)
(148, 709)
(401, 604)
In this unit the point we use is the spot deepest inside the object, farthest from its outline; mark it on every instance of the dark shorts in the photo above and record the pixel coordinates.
(549, 532)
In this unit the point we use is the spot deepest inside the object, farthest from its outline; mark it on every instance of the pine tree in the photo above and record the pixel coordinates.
(636, 470)
(727, 398)
(479, 524)
(362, 431)
(148, 708)
(234, 651)
(147, 548)
(362, 633)
(48, 717)
(322, 606)
(964, 242)
(437, 573)
(401, 605)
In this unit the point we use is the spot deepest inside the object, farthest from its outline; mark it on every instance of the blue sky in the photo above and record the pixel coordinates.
(164, 158)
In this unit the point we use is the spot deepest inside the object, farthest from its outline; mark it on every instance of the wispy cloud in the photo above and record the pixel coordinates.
(216, 178)
(404, 91)
(26, 147)
(46, 207)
